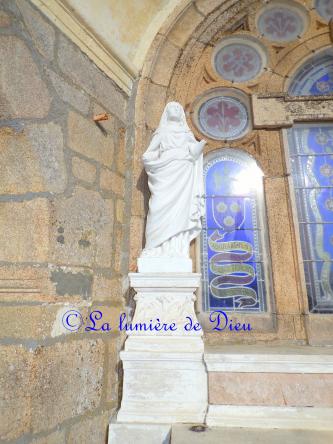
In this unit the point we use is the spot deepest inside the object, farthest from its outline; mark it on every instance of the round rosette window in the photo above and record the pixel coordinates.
(223, 115)
(282, 21)
(239, 59)
(325, 9)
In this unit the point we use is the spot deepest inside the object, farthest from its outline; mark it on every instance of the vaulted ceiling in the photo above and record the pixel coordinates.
(115, 34)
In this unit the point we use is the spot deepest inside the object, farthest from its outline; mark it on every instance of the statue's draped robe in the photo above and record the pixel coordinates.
(175, 178)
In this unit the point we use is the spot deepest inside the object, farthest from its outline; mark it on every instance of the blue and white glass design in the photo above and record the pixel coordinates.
(315, 77)
(233, 271)
(324, 9)
(311, 159)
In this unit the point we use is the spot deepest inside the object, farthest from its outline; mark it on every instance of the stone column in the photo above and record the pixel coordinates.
(165, 380)
(164, 373)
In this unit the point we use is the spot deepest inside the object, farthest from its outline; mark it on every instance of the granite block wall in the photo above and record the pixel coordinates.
(64, 232)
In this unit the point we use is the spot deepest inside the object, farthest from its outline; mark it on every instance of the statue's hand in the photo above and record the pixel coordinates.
(197, 148)
(202, 143)
(150, 155)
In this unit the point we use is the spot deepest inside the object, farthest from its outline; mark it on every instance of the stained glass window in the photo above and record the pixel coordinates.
(325, 8)
(238, 63)
(232, 241)
(239, 58)
(282, 22)
(311, 160)
(315, 77)
(223, 117)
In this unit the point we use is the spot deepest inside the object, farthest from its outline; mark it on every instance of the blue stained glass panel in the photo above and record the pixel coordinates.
(233, 270)
(311, 159)
(315, 77)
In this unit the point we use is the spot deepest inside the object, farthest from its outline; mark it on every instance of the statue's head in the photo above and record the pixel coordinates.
(174, 111)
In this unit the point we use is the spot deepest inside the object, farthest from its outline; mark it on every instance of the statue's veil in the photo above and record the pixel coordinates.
(183, 126)
(175, 181)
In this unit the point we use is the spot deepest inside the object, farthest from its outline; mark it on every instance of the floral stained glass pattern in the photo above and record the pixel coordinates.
(232, 261)
(238, 62)
(223, 118)
(281, 24)
(311, 154)
(325, 9)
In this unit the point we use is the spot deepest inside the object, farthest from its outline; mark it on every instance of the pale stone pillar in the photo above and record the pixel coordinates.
(165, 379)
(164, 374)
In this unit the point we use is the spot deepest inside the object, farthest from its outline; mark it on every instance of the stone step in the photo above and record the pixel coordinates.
(183, 434)
(253, 380)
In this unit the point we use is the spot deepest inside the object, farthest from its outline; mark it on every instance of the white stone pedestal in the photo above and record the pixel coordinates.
(164, 265)
(165, 379)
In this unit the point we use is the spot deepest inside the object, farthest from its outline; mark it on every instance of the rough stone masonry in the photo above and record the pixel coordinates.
(64, 232)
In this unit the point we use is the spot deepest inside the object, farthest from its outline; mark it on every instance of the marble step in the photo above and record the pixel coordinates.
(291, 387)
(183, 434)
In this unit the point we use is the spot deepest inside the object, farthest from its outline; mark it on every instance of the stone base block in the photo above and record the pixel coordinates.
(121, 433)
(164, 265)
(163, 388)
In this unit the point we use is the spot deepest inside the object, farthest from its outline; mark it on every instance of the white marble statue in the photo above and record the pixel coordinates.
(173, 162)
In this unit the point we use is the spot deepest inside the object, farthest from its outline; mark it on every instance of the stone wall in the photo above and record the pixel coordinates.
(64, 233)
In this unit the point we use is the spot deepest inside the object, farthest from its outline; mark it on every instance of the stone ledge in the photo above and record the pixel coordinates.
(153, 412)
(258, 359)
(152, 361)
(165, 344)
(306, 418)
(168, 281)
(186, 433)
(139, 433)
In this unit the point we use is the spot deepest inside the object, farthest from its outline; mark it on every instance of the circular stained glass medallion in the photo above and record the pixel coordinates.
(223, 117)
(325, 9)
(238, 61)
(281, 23)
